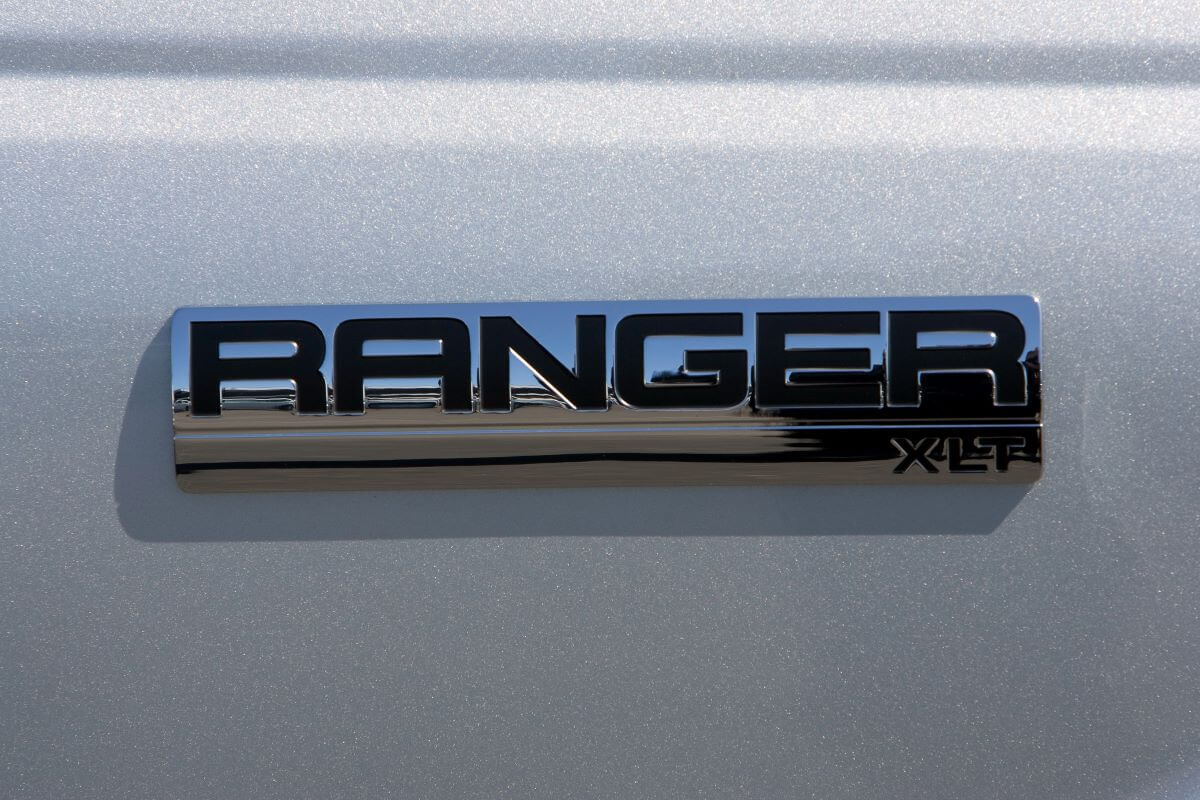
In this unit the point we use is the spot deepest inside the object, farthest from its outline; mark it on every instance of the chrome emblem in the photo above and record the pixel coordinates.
(902, 390)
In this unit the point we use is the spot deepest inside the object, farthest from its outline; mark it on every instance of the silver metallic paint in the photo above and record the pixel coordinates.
(828, 642)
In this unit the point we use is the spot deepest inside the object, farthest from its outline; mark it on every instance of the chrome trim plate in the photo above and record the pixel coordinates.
(900, 390)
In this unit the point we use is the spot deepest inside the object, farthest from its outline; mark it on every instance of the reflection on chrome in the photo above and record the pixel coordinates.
(901, 390)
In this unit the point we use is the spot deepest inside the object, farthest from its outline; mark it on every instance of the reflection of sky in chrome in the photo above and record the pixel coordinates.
(256, 349)
(402, 347)
(936, 339)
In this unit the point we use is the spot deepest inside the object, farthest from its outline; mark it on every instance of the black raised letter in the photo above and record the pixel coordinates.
(915, 453)
(774, 389)
(303, 366)
(905, 361)
(726, 389)
(585, 389)
(351, 367)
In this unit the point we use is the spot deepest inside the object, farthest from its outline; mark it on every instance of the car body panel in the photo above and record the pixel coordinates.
(847, 641)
